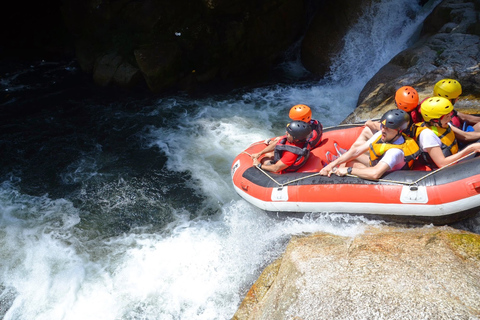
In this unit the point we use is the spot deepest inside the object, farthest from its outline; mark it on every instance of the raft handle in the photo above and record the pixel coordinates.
(476, 186)
(414, 188)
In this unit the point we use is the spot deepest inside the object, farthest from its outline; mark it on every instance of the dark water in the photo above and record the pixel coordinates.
(64, 137)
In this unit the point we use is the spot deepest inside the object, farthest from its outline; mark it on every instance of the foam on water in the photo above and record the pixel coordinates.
(197, 269)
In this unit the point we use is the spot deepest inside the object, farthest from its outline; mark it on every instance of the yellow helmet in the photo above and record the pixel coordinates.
(435, 108)
(447, 88)
(300, 112)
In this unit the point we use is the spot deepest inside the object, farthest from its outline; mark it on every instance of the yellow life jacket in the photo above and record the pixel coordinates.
(447, 137)
(409, 147)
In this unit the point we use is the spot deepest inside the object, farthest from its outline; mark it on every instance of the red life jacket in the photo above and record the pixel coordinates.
(302, 153)
(416, 115)
(456, 121)
(315, 137)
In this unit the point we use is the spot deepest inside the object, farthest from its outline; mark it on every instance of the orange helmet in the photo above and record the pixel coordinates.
(406, 98)
(300, 112)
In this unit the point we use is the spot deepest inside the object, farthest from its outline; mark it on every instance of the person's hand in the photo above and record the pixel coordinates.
(374, 126)
(255, 155)
(340, 171)
(255, 161)
(270, 141)
(328, 170)
(324, 171)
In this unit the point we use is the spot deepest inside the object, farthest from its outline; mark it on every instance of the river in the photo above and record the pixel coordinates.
(119, 205)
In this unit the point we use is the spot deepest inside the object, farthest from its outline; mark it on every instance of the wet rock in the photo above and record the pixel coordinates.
(167, 40)
(105, 68)
(385, 273)
(448, 48)
(159, 65)
(127, 76)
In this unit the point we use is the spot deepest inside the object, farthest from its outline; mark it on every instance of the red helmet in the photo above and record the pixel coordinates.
(406, 98)
(300, 112)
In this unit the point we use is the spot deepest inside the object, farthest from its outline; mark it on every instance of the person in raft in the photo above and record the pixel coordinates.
(289, 153)
(390, 150)
(435, 137)
(406, 99)
(302, 112)
(451, 90)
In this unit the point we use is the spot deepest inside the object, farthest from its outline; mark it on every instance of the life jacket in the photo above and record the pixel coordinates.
(302, 153)
(447, 137)
(416, 115)
(410, 150)
(315, 138)
(456, 121)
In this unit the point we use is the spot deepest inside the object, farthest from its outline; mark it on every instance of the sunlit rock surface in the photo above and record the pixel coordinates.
(385, 273)
(448, 48)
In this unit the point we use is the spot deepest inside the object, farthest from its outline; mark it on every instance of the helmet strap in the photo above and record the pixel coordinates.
(435, 122)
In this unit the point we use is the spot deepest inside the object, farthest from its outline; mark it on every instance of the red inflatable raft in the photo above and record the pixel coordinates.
(414, 196)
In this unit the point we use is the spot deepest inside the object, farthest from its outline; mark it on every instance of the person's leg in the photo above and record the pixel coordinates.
(267, 158)
(363, 137)
(362, 161)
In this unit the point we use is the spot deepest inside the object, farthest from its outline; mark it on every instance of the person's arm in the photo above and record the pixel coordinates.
(441, 161)
(370, 173)
(468, 118)
(267, 149)
(465, 136)
(278, 166)
(352, 153)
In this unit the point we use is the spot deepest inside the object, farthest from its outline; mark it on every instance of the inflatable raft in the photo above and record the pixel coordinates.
(442, 196)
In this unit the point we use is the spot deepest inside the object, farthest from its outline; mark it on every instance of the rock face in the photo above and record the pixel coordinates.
(180, 42)
(385, 273)
(449, 47)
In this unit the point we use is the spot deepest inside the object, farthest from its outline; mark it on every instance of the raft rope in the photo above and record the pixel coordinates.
(281, 185)
(429, 174)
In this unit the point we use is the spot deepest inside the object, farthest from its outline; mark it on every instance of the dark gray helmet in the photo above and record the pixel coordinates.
(299, 130)
(396, 119)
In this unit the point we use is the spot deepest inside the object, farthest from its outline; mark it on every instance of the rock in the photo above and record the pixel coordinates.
(385, 273)
(159, 65)
(167, 40)
(448, 48)
(105, 68)
(127, 76)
